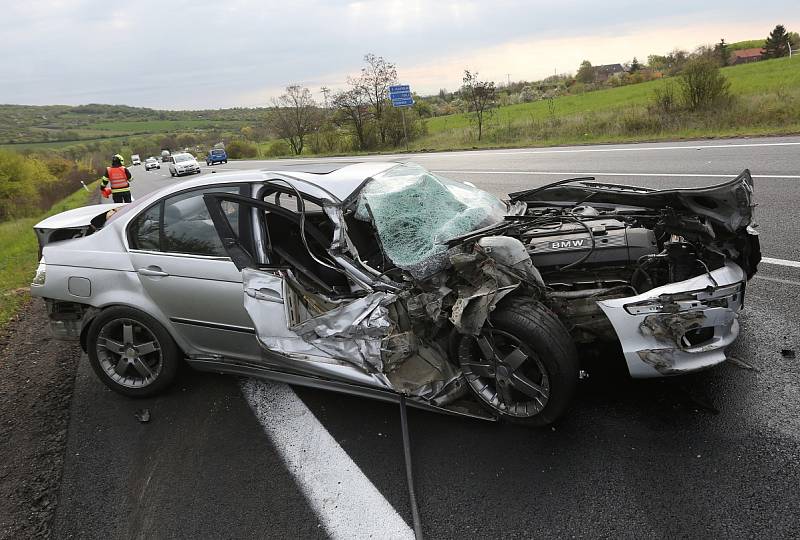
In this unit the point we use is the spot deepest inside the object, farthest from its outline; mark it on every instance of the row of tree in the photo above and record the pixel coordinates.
(363, 112)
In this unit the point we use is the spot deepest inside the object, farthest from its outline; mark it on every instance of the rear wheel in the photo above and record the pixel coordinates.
(523, 365)
(131, 352)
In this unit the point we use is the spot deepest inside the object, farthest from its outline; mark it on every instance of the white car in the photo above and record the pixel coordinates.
(151, 163)
(183, 164)
(136, 160)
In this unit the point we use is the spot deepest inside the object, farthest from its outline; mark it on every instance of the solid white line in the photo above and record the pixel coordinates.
(781, 262)
(573, 150)
(779, 280)
(564, 173)
(345, 501)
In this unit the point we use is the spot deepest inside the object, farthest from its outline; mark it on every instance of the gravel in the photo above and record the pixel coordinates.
(37, 376)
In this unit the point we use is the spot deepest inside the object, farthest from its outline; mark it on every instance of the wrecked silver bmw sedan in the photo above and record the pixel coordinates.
(386, 280)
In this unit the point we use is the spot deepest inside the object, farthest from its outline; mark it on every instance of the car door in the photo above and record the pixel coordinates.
(298, 300)
(182, 266)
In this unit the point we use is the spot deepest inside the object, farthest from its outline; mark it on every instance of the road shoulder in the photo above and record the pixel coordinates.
(36, 384)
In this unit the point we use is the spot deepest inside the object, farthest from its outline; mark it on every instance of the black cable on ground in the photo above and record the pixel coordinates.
(412, 496)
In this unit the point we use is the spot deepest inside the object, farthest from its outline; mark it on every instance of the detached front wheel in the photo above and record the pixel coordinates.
(523, 365)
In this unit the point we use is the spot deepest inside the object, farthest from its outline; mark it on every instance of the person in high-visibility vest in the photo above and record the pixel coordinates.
(120, 179)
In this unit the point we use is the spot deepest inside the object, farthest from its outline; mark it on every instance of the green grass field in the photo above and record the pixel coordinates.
(765, 90)
(19, 248)
(745, 79)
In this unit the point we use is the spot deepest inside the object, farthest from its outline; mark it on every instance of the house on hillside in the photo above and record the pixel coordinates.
(745, 56)
(603, 73)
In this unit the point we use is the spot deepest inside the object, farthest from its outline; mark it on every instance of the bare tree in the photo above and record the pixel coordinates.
(353, 108)
(376, 77)
(480, 97)
(294, 116)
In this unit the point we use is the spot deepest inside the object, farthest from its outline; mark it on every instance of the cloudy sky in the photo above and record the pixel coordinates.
(182, 54)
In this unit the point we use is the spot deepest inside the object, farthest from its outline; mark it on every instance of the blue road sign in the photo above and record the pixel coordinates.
(400, 94)
(403, 102)
(399, 88)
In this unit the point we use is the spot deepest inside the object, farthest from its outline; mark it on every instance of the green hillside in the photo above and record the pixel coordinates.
(767, 100)
(55, 125)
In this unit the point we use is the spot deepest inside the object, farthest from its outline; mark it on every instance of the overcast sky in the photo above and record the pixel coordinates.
(183, 54)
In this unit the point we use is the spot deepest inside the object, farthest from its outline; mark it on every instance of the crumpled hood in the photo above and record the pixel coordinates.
(728, 205)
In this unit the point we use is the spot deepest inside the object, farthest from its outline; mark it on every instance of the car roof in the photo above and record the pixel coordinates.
(336, 183)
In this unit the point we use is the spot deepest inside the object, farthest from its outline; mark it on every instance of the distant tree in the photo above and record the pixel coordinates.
(295, 116)
(671, 63)
(777, 43)
(635, 65)
(376, 77)
(722, 52)
(325, 91)
(480, 97)
(247, 132)
(657, 62)
(586, 73)
(353, 109)
(794, 39)
(702, 84)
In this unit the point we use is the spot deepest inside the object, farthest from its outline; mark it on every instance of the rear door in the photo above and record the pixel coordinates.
(183, 267)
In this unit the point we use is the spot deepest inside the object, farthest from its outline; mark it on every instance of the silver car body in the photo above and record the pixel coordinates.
(226, 320)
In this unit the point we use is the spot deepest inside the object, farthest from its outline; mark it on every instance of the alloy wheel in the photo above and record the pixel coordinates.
(129, 353)
(506, 374)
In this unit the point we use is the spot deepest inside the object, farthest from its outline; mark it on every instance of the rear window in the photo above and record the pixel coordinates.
(217, 152)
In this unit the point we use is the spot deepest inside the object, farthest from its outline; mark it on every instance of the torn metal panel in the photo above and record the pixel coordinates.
(429, 375)
(695, 319)
(492, 271)
(352, 331)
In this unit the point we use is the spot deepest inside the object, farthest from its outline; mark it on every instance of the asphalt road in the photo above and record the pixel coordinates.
(711, 454)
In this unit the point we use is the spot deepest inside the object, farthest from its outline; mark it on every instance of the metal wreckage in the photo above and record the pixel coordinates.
(464, 303)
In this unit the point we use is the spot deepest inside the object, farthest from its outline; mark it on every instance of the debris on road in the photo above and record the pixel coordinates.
(738, 362)
(142, 415)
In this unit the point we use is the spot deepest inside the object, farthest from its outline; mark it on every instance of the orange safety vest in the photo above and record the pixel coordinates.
(117, 178)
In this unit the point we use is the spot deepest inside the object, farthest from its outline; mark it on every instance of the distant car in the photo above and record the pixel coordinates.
(136, 160)
(216, 155)
(183, 164)
(151, 163)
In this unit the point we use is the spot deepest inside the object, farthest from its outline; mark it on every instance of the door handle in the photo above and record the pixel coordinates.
(153, 271)
(268, 295)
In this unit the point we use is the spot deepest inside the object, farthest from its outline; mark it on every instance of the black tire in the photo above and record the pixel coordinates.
(116, 353)
(543, 352)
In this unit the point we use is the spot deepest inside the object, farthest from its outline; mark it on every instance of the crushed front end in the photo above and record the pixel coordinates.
(662, 271)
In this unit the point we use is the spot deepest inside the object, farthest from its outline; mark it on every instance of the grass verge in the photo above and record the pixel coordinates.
(19, 251)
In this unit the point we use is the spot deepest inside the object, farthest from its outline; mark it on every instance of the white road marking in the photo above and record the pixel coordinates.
(781, 262)
(524, 151)
(563, 173)
(345, 501)
(625, 149)
(778, 280)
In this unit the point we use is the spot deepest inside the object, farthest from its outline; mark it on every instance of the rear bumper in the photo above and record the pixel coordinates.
(680, 327)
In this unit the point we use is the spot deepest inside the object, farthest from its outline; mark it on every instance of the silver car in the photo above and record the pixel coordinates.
(183, 164)
(384, 279)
